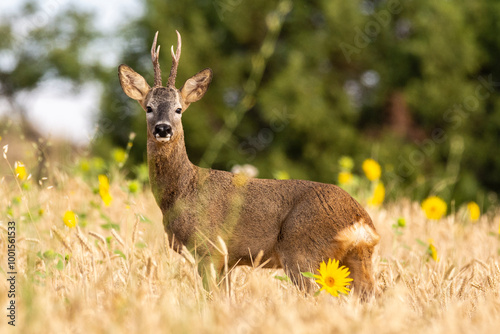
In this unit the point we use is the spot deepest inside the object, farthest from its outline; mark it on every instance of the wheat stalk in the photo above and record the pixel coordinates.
(187, 255)
(134, 230)
(98, 237)
(258, 258)
(83, 240)
(61, 238)
(36, 241)
(225, 253)
(117, 237)
(461, 290)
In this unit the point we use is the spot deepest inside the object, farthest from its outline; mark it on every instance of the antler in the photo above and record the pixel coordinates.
(175, 61)
(155, 53)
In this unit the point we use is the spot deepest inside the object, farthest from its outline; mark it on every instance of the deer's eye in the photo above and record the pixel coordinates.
(149, 109)
(178, 110)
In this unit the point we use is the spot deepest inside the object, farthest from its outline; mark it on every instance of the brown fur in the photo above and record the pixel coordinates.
(297, 224)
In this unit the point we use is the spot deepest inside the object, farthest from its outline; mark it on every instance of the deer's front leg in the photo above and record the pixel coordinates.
(210, 268)
(179, 230)
(208, 274)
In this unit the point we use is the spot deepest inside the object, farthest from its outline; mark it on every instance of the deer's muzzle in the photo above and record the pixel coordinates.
(163, 132)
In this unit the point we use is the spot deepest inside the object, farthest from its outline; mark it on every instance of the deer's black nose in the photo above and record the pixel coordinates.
(163, 130)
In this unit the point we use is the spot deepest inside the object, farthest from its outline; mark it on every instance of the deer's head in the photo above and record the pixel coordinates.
(164, 105)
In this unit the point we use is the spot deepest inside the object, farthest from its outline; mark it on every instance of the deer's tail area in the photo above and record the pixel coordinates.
(359, 234)
(357, 242)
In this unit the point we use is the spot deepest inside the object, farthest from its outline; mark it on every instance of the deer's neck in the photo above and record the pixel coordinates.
(170, 171)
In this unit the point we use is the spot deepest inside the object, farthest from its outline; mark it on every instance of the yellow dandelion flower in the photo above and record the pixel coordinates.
(20, 171)
(434, 207)
(332, 278)
(345, 178)
(104, 189)
(70, 219)
(346, 163)
(119, 155)
(281, 175)
(474, 211)
(84, 165)
(433, 251)
(372, 169)
(378, 195)
(134, 186)
(97, 164)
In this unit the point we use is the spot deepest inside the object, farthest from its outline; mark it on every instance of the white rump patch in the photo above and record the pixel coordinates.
(358, 233)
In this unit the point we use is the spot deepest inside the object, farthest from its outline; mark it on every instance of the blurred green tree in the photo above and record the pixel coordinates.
(409, 83)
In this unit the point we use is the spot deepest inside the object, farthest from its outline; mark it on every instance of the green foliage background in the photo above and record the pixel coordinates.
(412, 84)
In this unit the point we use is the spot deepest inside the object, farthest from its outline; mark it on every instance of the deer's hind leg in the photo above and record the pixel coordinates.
(359, 262)
(359, 241)
(302, 246)
(294, 265)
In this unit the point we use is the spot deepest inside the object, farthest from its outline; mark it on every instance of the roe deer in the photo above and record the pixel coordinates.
(296, 224)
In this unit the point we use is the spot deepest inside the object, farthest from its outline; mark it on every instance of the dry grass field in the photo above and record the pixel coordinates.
(114, 274)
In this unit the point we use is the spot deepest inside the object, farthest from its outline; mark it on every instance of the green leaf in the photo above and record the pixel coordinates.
(316, 294)
(60, 265)
(283, 278)
(429, 251)
(144, 219)
(40, 274)
(398, 232)
(421, 243)
(50, 254)
(109, 226)
(119, 252)
(308, 274)
(140, 244)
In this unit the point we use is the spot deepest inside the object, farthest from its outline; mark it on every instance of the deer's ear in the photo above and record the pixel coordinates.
(133, 84)
(196, 86)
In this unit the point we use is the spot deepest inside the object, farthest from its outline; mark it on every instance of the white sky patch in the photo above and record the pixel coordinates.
(58, 112)
(55, 109)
